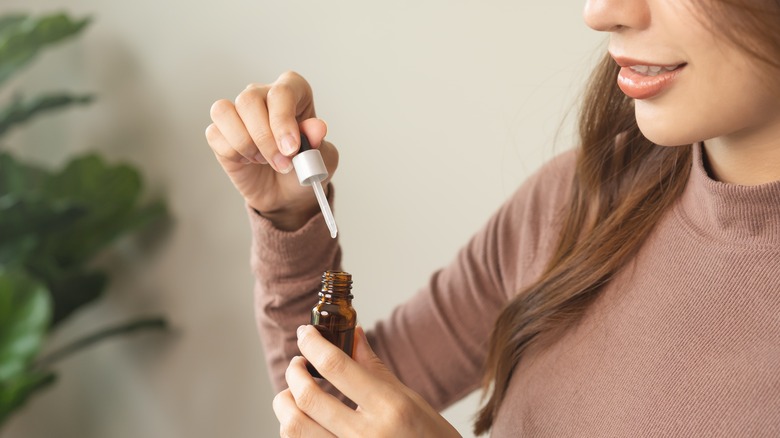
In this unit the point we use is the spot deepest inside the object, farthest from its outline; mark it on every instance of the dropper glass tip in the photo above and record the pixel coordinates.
(330, 221)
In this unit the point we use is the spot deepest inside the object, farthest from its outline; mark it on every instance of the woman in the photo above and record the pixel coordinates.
(628, 288)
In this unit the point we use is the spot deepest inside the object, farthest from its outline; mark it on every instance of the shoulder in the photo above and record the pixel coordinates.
(555, 176)
(528, 223)
(546, 191)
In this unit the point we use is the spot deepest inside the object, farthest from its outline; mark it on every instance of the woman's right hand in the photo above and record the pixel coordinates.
(254, 139)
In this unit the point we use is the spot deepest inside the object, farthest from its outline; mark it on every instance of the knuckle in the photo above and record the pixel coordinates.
(212, 132)
(288, 374)
(400, 410)
(278, 401)
(256, 85)
(290, 76)
(303, 341)
(292, 426)
(332, 362)
(280, 90)
(306, 399)
(249, 98)
(264, 139)
(246, 147)
(220, 108)
(290, 422)
(230, 155)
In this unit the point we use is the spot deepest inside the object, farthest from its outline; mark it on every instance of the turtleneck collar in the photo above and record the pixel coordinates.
(731, 213)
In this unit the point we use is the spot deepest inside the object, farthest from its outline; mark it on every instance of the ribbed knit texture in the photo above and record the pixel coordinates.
(685, 341)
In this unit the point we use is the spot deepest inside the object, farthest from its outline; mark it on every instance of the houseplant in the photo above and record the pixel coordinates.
(53, 224)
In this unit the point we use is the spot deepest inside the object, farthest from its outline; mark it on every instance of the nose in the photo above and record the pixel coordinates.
(616, 15)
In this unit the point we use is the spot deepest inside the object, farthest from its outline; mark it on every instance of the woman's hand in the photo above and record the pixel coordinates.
(254, 139)
(386, 408)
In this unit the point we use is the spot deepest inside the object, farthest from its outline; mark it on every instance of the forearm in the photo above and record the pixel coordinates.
(287, 266)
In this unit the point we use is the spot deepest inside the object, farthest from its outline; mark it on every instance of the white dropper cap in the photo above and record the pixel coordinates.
(311, 171)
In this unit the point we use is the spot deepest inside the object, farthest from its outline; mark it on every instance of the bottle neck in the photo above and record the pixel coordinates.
(332, 298)
(336, 286)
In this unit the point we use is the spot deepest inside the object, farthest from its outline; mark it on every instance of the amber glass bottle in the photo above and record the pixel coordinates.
(334, 315)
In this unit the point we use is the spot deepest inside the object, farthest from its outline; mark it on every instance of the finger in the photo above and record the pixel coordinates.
(305, 105)
(292, 421)
(221, 147)
(283, 100)
(325, 409)
(251, 106)
(364, 355)
(289, 99)
(315, 130)
(225, 117)
(354, 381)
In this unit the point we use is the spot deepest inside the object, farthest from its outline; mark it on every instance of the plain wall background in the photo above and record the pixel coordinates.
(439, 108)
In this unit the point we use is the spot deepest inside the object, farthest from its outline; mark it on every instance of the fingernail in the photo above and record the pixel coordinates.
(299, 332)
(282, 163)
(260, 159)
(288, 145)
(244, 161)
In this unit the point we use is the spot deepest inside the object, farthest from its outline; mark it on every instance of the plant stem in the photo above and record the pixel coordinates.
(102, 334)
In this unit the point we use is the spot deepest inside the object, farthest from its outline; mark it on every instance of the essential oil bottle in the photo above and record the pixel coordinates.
(334, 316)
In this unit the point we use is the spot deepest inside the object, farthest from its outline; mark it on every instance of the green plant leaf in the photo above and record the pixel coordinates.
(22, 39)
(10, 20)
(53, 224)
(25, 311)
(136, 325)
(20, 110)
(26, 220)
(70, 289)
(17, 178)
(109, 194)
(23, 211)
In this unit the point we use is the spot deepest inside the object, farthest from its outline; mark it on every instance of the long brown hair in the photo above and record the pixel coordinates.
(622, 185)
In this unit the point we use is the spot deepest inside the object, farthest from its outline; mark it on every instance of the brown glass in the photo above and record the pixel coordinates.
(334, 316)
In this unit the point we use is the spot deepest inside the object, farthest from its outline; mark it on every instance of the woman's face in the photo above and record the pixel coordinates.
(689, 85)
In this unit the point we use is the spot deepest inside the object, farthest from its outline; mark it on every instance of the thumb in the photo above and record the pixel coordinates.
(315, 130)
(362, 352)
(365, 356)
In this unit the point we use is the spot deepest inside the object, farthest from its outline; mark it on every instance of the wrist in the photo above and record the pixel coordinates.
(286, 220)
(294, 215)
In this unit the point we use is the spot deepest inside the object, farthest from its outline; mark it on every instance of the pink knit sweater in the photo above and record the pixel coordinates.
(685, 341)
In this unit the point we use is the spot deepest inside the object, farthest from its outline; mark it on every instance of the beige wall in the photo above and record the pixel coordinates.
(440, 108)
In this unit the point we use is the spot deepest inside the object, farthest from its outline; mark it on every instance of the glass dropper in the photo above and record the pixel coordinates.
(311, 171)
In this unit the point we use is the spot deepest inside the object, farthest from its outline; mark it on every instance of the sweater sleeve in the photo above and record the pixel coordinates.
(437, 341)
(287, 267)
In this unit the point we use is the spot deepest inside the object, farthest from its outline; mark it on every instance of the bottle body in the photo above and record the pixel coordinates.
(333, 316)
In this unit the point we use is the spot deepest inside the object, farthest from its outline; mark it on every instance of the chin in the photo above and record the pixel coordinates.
(666, 132)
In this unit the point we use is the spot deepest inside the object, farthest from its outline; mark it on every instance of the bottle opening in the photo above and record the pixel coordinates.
(336, 280)
(336, 283)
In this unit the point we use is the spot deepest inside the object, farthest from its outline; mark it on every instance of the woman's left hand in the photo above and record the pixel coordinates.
(385, 407)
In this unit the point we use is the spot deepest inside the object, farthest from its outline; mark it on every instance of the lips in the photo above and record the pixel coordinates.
(644, 79)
